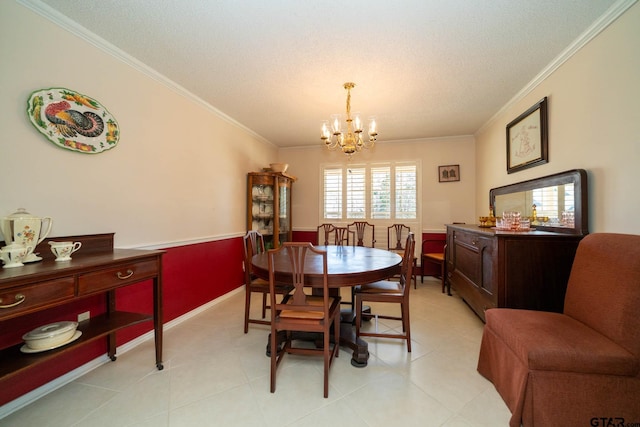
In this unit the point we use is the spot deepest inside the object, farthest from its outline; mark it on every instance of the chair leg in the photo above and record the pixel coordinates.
(442, 275)
(264, 305)
(247, 303)
(336, 335)
(327, 356)
(274, 358)
(358, 305)
(406, 325)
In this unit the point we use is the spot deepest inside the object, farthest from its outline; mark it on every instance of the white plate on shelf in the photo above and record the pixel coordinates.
(27, 349)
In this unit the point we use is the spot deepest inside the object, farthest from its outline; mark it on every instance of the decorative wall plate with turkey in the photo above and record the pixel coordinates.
(73, 121)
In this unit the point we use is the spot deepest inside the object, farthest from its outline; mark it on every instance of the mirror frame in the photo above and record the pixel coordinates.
(576, 176)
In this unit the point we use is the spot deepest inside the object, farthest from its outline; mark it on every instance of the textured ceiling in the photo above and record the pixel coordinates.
(424, 68)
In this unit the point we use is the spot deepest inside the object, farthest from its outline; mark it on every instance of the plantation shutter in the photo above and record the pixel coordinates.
(333, 193)
(381, 192)
(356, 193)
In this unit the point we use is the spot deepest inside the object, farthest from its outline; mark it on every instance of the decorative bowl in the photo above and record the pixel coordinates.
(279, 167)
(50, 336)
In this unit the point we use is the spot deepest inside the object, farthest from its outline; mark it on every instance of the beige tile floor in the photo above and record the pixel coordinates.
(215, 375)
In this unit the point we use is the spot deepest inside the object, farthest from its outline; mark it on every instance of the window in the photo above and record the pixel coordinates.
(378, 191)
(332, 193)
(552, 201)
(406, 192)
(356, 193)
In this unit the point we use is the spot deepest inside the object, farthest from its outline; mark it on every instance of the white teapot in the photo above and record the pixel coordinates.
(25, 229)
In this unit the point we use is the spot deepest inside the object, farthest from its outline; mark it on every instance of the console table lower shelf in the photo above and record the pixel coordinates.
(14, 361)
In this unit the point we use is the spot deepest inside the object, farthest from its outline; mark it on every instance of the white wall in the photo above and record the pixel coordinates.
(178, 172)
(442, 203)
(594, 116)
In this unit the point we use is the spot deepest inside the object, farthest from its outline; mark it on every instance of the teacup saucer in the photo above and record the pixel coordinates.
(32, 258)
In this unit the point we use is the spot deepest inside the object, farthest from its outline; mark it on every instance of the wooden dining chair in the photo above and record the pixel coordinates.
(396, 238)
(365, 233)
(342, 236)
(388, 291)
(254, 244)
(438, 259)
(325, 234)
(302, 312)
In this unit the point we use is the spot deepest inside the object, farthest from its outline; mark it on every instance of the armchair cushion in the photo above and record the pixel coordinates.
(555, 342)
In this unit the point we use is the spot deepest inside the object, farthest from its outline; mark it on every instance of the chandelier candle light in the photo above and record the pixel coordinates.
(350, 141)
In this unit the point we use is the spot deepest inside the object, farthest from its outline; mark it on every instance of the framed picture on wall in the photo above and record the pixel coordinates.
(449, 173)
(527, 144)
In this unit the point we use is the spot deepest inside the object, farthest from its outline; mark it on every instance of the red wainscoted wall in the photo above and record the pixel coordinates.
(193, 275)
(305, 236)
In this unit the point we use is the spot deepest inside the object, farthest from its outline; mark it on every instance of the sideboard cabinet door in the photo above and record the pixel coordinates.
(471, 267)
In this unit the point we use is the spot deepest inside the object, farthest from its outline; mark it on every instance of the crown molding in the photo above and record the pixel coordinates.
(613, 13)
(85, 34)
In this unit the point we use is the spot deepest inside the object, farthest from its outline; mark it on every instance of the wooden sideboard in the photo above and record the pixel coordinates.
(96, 268)
(527, 270)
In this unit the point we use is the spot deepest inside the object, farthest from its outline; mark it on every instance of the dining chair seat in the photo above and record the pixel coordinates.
(381, 287)
(311, 300)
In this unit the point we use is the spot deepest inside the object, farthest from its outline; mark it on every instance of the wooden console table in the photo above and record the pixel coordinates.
(97, 268)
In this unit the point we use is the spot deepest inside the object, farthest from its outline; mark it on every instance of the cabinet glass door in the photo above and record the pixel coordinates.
(262, 212)
(284, 211)
(269, 207)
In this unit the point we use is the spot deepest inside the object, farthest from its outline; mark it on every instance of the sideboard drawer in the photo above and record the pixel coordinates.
(24, 299)
(466, 238)
(112, 278)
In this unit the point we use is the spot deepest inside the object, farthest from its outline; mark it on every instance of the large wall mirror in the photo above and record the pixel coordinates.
(560, 201)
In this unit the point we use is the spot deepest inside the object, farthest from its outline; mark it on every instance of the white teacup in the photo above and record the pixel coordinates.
(13, 254)
(63, 250)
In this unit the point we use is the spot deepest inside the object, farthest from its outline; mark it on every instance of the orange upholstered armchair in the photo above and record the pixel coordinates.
(581, 365)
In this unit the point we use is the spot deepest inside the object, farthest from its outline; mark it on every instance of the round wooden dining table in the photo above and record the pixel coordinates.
(346, 266)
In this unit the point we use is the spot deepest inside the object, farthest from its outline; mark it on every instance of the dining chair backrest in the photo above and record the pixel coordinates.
(297, 255)
(253, 244)
(342, 236)
(407, 264)
(365, 233)
(326, 234)
(396, 236)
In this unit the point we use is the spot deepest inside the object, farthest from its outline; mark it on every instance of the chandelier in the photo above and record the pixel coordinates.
(350, 141)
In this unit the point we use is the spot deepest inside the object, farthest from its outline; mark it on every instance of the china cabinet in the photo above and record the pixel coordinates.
(269, 206)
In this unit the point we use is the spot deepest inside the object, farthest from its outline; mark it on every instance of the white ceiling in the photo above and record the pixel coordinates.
(424, 68)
